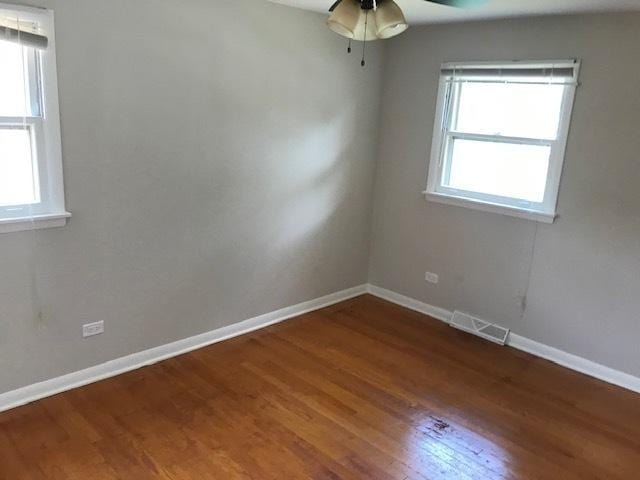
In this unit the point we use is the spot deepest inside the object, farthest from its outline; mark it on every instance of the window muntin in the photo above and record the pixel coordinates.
(31, 185)
(500, 135)
(19, 106)
(20, 128)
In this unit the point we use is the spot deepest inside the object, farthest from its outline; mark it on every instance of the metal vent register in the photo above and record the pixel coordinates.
(476, 326)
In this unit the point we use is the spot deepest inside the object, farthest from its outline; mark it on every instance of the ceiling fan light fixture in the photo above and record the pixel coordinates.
(390, 20)
(345, 18)
(366, 28)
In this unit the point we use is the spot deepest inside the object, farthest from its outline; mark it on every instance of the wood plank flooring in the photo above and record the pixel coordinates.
(361, 390)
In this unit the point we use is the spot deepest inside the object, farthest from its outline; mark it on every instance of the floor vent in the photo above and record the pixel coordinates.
(488, 331)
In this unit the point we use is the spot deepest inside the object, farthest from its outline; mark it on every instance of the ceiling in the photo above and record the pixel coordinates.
(421, 12)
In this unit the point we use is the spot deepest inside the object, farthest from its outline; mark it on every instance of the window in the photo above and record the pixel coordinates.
(500, 136)
(31, 186)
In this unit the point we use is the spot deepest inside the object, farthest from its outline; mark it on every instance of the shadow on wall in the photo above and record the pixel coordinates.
(264, 178)
(271, 227)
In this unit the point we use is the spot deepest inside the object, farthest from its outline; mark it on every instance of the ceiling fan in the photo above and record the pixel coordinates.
(366, 20)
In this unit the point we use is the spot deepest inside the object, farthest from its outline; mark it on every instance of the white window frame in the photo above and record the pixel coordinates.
(436, 191)
(45, 132)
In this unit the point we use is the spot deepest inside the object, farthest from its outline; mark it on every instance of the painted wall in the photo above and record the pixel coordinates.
(574, 285)
(219, 160)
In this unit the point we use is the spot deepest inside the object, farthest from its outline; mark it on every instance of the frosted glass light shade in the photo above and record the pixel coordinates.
(390, 20)
(345, 18)
(351, 21)
(366, 24)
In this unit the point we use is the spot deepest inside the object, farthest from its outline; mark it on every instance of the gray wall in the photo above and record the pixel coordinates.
(219, 164)
(219, 160)
(575, 284)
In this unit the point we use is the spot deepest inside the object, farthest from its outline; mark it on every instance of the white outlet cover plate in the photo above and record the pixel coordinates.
(431, 277)
(91, 329)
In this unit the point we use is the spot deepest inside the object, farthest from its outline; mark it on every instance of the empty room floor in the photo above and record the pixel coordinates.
(361, 390)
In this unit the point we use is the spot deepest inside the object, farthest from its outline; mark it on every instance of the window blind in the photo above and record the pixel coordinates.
(24, 34)
(564, 72)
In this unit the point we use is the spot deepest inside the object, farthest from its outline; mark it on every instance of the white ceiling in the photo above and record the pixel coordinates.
(420, 11)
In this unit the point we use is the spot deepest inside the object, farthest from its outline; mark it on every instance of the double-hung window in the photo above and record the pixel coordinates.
(500, 135)
(31, 185)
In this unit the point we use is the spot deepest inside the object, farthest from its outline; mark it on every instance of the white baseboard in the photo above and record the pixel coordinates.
(411, 303)
(37, 391)
(519, 342)
(574, 362)
(47, 388)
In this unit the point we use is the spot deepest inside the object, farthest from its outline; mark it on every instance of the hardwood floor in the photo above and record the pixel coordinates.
(361, 390)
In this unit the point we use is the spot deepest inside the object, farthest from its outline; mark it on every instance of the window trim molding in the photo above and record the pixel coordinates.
(483, 206)
(49, 145)
(35, 222)
(547, 210)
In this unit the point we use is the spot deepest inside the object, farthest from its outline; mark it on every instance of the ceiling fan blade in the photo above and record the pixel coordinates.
(333, 7)
(460, 3)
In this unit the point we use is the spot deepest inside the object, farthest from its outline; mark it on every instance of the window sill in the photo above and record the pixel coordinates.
(37, 222)
(490, 207)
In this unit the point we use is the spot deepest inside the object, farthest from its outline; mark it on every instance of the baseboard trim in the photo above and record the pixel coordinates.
(410, 303)
(47, 388)
(579, 364)
(567, 360)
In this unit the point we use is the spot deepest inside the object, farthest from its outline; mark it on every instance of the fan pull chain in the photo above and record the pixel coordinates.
(364, 43)
(349, 47)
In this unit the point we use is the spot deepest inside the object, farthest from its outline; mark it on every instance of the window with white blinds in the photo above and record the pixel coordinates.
(31, 184)
(500, 135)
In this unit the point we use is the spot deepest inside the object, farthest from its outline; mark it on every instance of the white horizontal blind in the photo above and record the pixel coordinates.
(562, 72)
(27, 33)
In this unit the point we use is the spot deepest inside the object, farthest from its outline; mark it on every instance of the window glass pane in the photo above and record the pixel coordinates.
(501, 169)
(17, 176)
(514, 110)
(14, 98)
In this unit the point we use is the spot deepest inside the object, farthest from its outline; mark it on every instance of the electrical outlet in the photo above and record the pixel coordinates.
(91, 329)
(431, 277)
